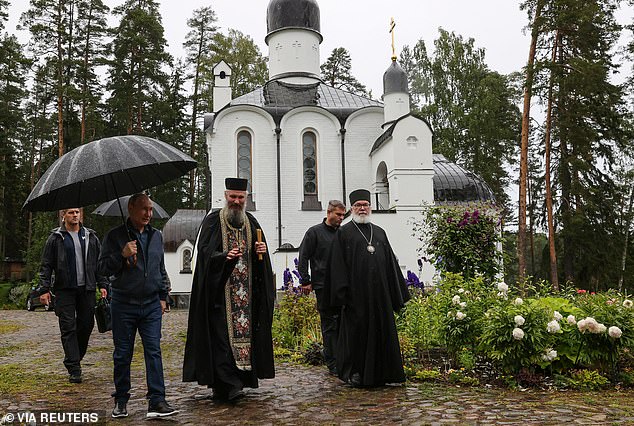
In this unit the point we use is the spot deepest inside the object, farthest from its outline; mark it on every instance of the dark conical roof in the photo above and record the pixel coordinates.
(292, 14)
(394, 79)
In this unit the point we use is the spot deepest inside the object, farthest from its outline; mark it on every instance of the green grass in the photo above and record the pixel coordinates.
(10, 349)
(7, 327)
(26, 379)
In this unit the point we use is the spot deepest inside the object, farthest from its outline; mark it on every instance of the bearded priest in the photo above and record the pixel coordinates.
(364, 279)
(229, 344)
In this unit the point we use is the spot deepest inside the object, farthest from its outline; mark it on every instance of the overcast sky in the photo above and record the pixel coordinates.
(361, 26)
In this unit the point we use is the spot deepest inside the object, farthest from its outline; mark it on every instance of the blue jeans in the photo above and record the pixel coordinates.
(126, 320)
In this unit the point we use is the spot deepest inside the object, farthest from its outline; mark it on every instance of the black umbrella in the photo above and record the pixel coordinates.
(105, 170)
(111, 208)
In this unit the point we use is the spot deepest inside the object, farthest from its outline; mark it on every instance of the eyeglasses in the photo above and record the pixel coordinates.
(361, 205)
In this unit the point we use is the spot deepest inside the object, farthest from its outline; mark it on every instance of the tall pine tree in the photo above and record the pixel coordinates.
(137, 66)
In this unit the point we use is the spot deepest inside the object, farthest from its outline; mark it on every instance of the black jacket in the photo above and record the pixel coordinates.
(55, 260)
(315, 248)
(141, 283)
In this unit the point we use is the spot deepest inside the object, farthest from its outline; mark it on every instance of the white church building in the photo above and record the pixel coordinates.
(301, 143)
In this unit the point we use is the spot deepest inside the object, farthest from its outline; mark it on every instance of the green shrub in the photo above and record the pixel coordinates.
(418, 328)
(296, 322)
(466, 359)
(587, 380)
(462, 240)
(459, 377)
(427, 375)
(515, 345)
(18, 294)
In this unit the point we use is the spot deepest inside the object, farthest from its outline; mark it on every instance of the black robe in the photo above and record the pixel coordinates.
(369, 288)
(207, 330)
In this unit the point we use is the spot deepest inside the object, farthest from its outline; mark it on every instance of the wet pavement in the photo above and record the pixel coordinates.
(32, 377)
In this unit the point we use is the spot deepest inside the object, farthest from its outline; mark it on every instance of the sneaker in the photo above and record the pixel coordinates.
(120, 409)
(74, 378)
(160, 409)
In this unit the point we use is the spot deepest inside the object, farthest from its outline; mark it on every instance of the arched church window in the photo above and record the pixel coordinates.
(382, 188)
(245, 164)
(309, 166)
(187, 262)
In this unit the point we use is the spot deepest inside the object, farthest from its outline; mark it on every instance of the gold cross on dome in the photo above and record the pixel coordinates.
(392, 25)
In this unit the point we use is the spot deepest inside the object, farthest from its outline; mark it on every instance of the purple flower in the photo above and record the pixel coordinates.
(450, 220)
(412, 280)
(288, 279)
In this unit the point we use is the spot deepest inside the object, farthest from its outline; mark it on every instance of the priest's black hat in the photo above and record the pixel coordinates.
(359, 195)
(236, 184)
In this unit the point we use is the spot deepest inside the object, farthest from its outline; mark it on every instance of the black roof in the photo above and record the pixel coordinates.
(394, 79)
(282, 14)
(180, 227)
(278, 98)
(453, 184)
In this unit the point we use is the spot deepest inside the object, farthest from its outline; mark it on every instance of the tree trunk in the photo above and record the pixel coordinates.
(60, 81)
(627, 237)
(84, 90)
(528, 86)
(192, 144)
(554, 280)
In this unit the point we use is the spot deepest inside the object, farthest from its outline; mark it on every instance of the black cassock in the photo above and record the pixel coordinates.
(208, 358)
(370, 288)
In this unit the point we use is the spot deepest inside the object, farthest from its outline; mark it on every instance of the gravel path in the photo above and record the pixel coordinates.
(299, 395)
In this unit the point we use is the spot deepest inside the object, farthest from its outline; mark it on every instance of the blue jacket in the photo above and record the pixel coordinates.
(137, 284)
(58, 258)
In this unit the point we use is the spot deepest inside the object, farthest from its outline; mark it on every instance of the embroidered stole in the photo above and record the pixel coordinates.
(238, 291)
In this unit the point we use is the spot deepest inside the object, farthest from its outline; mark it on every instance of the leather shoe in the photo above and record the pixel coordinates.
(120, 410)
(355, 380)
(235, 394)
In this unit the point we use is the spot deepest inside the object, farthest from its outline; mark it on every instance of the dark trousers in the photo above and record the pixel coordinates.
(329, 330)
(75, 310)
(127, 319)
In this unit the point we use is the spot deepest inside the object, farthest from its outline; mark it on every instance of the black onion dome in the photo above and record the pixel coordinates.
(454, 184)
(292, 14)
(394, 79)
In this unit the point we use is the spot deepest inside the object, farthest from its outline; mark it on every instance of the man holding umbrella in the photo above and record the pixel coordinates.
(132, 253)
(71, 253)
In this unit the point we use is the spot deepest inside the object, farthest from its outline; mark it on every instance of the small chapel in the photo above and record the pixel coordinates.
(301, 143)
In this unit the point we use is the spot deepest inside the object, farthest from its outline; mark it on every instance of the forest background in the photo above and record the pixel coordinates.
(559, 129)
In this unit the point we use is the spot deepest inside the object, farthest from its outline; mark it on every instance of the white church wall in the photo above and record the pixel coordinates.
(396, 105)
(181, 282)
(326, 128)
(293, 50)
(399, 228)
(409, 162)
(362, 130)
(223, 154)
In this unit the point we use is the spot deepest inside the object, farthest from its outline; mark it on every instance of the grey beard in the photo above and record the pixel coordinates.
(235, 217)
(361, 219)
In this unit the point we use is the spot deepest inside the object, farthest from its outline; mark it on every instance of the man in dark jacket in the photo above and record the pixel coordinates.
(71, 253)
(229, 344)
(133, 255)
(315, 249)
